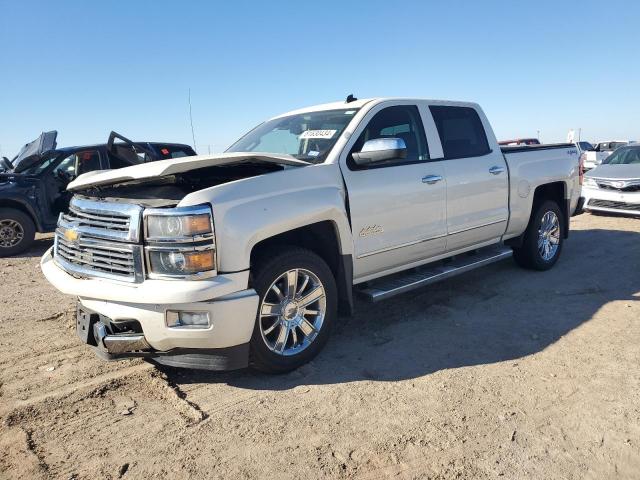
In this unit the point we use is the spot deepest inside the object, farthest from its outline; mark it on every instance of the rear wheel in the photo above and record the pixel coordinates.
(298, 305)
(17, 232)
(543, 238)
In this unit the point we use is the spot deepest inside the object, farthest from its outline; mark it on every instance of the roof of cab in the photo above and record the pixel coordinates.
(102, 145)
(356, 104)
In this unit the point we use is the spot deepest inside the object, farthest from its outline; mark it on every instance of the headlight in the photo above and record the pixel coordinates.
(178, 224)
(590, 182)
(177, 262)
(180, 242)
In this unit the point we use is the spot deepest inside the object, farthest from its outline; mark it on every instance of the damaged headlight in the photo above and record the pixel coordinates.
(180, 242)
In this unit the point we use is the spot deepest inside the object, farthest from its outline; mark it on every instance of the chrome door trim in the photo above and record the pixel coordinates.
(415, 242)
(395, 247)
(477, 226)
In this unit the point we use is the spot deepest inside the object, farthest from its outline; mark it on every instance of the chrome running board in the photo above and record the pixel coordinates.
(386, 287)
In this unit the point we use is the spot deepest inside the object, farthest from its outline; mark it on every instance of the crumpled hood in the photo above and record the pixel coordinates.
(616, 172)
(30, 153)
(173, 166)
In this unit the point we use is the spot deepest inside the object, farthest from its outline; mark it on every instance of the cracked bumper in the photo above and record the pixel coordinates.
(231, 307)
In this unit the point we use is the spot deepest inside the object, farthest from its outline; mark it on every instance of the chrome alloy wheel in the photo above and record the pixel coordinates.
(549, 236)
(292, 312)
(11, 233)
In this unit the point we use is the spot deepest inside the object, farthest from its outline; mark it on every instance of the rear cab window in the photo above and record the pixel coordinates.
(461, 132)
(172, 151)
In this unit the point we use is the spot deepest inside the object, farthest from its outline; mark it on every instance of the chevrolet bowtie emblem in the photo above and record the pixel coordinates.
(71, 235)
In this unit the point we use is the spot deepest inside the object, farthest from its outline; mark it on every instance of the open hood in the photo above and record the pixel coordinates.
(163, 168)
(31, 152)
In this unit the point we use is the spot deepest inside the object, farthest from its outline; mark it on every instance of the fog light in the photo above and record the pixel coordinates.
(178, 319)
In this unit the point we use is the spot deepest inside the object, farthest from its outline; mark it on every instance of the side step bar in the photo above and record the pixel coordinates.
(402, 282)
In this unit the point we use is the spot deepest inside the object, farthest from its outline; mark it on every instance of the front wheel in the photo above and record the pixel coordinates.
(298, 305)
(17, 232)
(543, 238)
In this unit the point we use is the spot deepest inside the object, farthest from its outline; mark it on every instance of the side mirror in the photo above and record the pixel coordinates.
(379, 150)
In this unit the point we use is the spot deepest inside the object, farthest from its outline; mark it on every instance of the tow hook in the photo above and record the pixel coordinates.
(121, 343)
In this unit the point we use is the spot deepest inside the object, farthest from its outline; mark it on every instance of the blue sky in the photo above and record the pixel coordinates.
(85, 68)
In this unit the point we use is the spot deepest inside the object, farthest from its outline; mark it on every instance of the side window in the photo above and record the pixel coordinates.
(402, 121)
(461, 132)
(66, 169)
(77, 164)
(88, 161)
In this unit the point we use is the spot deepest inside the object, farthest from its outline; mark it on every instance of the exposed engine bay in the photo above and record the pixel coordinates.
(167, 191)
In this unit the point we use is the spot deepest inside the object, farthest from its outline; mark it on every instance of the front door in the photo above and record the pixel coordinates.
(398, 206)
(63, 173)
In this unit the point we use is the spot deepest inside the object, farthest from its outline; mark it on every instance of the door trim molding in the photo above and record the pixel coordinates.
(478, 226)
(422, 240)
(395, 247)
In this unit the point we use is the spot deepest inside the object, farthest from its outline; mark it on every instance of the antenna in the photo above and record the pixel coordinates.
(193, 135)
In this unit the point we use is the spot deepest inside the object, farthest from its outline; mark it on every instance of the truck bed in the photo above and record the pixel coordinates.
(531, 166)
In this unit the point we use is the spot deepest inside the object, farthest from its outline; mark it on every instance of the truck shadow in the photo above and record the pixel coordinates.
(496, 314)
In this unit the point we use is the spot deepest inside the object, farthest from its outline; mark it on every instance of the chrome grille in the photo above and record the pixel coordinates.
(614, 205)
(100, 239)
(97, 257)
(108, 221)
(621, 186)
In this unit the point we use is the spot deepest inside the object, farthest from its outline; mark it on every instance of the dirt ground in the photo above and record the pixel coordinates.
(498, 373)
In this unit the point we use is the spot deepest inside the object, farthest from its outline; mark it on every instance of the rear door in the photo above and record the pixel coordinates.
(476, 177)
(398, 217)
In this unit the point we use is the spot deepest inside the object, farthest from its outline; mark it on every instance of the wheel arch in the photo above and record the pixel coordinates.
(24, 208)
(323, 239)
(557, 192)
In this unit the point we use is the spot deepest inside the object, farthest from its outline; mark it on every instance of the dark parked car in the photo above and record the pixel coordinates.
(33, 185)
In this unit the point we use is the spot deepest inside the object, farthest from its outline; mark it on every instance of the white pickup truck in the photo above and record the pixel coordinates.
(246, 258)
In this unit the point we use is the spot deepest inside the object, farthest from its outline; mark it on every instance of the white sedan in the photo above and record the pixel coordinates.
(614, 186)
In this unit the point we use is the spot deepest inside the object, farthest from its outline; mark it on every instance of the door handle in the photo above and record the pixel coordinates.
(496, 170)
(431, 179)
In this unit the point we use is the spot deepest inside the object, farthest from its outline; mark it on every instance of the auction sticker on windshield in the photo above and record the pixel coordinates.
(318, 134)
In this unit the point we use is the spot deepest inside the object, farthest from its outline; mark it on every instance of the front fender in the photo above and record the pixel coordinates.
(249, 211)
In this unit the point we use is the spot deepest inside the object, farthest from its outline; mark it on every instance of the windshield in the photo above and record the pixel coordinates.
(623, 156)
(306, 136)
(585, 146)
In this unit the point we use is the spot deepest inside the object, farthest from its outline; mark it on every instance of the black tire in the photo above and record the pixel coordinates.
(269, 268)
(12, 220)
(529, 256)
